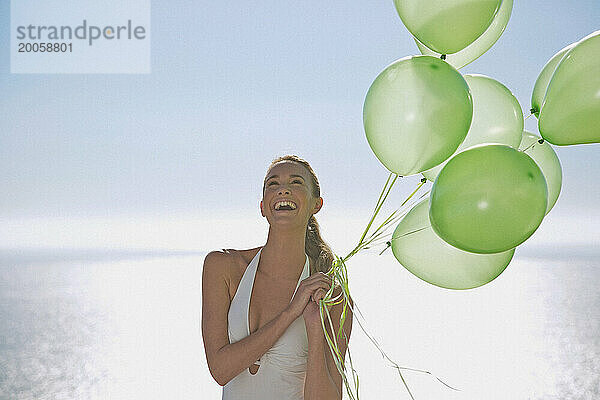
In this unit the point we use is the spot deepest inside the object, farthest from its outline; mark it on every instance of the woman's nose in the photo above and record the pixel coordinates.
(283, 190)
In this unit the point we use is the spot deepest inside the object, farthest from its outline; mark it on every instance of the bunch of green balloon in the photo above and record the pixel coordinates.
(497, 117)
(570, 110)
(416, 114)
(482, 44)
(493, 181)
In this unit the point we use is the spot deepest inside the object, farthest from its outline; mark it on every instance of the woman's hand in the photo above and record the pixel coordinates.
(311, 288)
(312, 318)
(312, 313)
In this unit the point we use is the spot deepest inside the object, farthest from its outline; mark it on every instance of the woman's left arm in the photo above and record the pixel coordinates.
(323, 381)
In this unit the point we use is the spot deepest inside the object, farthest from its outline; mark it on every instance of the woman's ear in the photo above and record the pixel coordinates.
(318, 205)
(261, 209)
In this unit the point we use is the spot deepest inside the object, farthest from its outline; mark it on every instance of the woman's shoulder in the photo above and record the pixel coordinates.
(230, 265)
(230, 258)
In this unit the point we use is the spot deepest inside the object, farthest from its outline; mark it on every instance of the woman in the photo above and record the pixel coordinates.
(256, 344)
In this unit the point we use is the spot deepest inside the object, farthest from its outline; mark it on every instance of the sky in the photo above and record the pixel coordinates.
(232, 86)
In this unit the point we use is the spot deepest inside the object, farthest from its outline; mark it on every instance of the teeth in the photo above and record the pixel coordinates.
(285, 203)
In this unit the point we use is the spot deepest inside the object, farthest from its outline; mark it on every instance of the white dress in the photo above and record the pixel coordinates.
(283, 367)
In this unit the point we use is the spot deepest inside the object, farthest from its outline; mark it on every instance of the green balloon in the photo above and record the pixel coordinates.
(417, 247)
(547, 160)
(488, 199)
(482, 44)
(541, 83)
(416, 114)
(497, 117)
(570, 113)
(447, 26)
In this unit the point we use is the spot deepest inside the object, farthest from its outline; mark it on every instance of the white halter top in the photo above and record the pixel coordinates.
(283, 367)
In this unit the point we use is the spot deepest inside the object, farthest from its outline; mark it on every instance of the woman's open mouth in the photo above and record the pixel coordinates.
(285, 205)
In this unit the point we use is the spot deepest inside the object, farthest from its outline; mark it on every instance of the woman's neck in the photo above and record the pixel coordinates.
(283, 256)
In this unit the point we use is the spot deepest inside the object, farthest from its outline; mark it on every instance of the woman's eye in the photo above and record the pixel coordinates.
(271, 183)
(297, 181)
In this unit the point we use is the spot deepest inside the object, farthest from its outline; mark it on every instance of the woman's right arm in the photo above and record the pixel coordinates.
(225, 360)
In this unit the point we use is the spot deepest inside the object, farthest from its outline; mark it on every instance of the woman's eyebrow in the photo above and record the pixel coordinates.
(292, 175)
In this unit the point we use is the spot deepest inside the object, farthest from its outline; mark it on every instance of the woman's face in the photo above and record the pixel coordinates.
(288, 195)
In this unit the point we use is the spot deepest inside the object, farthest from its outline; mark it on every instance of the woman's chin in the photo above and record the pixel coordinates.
(287, 219)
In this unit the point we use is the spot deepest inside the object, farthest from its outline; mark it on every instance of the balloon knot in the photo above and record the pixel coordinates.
(389, 244)
(443, 56)
(423, 180)
(541, 141)
(533, 110)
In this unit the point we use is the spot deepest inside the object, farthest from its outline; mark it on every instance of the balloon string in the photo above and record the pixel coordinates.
(354, 307)
(365, 242)
(340, 273)
(382, 197)
(540, 141)
(341, 268)
(389, 242)
(376, 237)
(526, 118)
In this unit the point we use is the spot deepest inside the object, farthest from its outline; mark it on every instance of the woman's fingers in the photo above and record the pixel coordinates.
(317, 284)
(320, 285)
(319, 294)
(312, 288)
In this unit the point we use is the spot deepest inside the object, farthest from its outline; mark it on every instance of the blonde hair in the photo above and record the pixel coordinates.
(316, 248)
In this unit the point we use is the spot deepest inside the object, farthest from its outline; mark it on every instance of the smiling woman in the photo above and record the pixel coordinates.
(256, 344)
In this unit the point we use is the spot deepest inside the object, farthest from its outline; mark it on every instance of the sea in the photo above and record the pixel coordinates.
(104, 324)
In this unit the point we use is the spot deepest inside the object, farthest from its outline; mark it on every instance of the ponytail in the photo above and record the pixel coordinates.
(317, 249)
